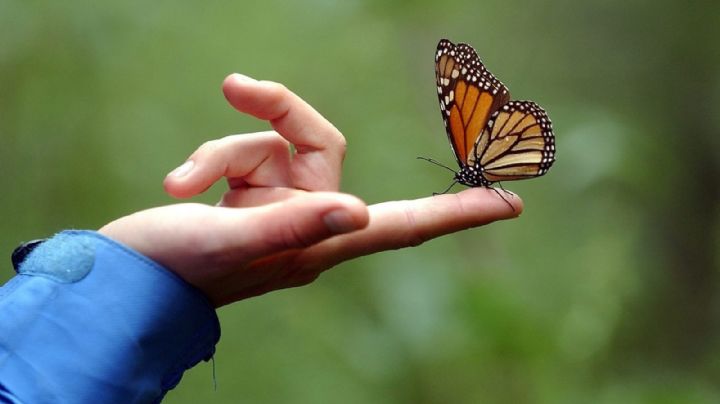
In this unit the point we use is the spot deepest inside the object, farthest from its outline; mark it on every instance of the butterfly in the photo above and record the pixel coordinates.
(493, 138)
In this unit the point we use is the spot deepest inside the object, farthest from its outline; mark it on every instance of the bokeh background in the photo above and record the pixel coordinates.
(604, 291)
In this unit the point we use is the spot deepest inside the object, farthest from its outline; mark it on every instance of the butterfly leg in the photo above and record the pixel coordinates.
(501, 195)
(505, 190)
(445, 191)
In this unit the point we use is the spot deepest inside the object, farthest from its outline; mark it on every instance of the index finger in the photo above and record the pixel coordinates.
(319, 145)
(400, 224)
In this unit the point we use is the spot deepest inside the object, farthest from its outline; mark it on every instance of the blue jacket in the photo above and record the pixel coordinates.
(87, 320)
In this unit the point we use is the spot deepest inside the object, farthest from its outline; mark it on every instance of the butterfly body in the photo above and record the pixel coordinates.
(472, 177)
(493, 138)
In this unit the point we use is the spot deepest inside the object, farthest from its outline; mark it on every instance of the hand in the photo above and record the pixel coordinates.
(283, 222)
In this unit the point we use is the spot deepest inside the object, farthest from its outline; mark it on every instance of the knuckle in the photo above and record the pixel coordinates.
(413, 239)
(295, 274)
(305, 278)
(276, 98)
(208, 147)
(289, 237)
(412, 236)
(295, 237)
(276, 90)
(277, 143)
(341, 143)
(335, 143)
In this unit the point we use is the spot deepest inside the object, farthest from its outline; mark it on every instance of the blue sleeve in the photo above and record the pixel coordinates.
(89, 320)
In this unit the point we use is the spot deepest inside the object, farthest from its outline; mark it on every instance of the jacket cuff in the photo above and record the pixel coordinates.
(88, 319)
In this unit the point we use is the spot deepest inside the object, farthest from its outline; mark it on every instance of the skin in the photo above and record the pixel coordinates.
(282, 221)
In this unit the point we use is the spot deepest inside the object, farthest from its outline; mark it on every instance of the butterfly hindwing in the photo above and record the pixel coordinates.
(517, 143)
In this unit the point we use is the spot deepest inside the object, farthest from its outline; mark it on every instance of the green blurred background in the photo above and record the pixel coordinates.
(604, 291)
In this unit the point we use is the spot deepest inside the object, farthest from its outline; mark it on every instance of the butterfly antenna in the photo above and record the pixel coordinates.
(501, 196)
(437, 163)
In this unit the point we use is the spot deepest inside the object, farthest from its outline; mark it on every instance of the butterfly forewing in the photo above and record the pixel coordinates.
(469, 94)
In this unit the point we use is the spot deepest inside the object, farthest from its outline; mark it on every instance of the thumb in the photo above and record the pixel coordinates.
(293, 223)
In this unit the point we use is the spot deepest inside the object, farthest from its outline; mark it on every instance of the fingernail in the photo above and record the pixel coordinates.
(181, 171)
(243, 78)
(339, 221)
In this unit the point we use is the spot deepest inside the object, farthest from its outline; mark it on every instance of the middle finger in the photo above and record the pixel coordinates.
(320, 146)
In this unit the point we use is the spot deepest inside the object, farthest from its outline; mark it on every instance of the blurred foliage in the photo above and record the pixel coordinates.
(604, 291)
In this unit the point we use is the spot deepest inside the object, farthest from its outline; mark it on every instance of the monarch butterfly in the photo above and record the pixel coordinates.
(493, 139)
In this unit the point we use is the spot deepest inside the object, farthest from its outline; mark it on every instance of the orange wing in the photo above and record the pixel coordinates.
(469, 95)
